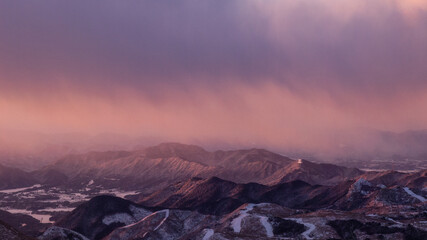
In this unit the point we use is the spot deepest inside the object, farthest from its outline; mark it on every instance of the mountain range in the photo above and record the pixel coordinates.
(155, 167)
(177, 191)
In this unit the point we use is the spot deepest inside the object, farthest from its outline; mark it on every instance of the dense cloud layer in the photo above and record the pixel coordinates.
(280, 73)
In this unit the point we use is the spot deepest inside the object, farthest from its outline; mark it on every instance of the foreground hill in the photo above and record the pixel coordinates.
(9, 233)
(214, 208)
(99, 216)
(23, 223)
(216, 196)
(108, 218)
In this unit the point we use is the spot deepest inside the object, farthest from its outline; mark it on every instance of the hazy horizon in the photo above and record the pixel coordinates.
(308, 75)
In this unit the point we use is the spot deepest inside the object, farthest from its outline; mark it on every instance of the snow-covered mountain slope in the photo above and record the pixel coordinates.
(163, 224)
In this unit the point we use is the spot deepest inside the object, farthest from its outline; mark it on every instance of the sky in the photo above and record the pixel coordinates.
(290, 73)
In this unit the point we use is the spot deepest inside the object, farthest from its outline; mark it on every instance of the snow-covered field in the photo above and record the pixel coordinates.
(14, 190)
(42, 202)
(43, 218)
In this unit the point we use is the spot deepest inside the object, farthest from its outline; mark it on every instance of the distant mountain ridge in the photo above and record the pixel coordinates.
(150, 169)
(314, 173)
(171, 162)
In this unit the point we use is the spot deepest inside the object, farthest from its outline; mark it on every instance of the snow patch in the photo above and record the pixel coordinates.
(396, 223)
(43, 218)
(58, 209)
(58, 232)
(125, 218)
(124, 194)
(237, 222)
(118, 218)
(208, 234)
(310, 227)
(71, 197)
(166, 211)
(138, 213)
(14, 190)
(118, 193)
(267, 225)
(164, 219)
(357, 186)
(409, 191)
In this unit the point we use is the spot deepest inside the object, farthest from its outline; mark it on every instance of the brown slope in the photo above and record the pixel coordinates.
(15, 178)
(251, 165)
(76, 164)
(313, 173)
(171, 162)
(131, 168)
(248, 165)
(395, 178)
(166, 150)
(9, 233)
